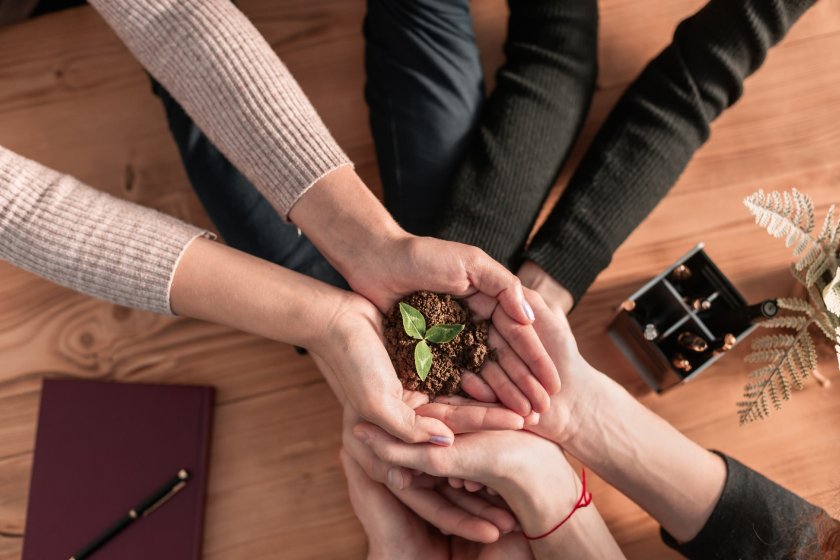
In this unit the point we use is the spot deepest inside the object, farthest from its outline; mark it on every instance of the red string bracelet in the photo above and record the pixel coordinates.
(584, 500)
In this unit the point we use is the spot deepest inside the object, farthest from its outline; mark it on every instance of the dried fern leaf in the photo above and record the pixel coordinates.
(808, 351)
(765, 356)
(825, 327)
(763, 371)
(790, 216)
(795, 304)
(784, 386)
(786, 322)
(815, 254)
(795, 374)
(806, 205)
(772, 341)
(791, 359)
(828, 226)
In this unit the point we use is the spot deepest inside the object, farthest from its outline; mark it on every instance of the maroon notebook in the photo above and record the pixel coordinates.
(101, 449)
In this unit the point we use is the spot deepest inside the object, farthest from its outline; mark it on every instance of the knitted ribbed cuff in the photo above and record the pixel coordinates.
(571, 255)
(755, 518)
(56, 227)
(502, 239)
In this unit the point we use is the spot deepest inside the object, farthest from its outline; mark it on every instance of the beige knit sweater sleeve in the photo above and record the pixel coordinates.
(227, 77)
(56, 227)
(216, 64)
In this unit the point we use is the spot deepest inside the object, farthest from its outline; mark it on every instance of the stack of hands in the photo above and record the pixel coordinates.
(439, 477)
(430, 479)
(504, 477)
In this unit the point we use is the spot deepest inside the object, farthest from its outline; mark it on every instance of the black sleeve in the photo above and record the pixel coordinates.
(756, 518)
(653, 132)
(526, 128)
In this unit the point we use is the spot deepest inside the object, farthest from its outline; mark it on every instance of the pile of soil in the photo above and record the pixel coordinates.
(467, 351)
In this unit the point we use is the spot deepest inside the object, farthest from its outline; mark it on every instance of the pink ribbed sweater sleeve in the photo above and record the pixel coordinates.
(218, 66)
(59, 228)
(227, 77)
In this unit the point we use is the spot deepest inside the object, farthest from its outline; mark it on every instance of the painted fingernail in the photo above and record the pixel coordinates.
(362, 436)
(526, 307)
(395, 479)
(443, 441)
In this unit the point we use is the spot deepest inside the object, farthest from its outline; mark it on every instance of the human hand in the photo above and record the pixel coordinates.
(393, 529)
(383, 263)
(453, 511)
(556, 296)
(352, 357)
(530, 473)
(568, 408)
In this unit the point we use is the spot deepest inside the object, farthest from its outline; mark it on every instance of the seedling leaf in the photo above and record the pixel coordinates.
(413, 321)
(441, 334)
(422, 359)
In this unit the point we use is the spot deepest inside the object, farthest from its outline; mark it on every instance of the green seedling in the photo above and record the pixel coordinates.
(415, 326)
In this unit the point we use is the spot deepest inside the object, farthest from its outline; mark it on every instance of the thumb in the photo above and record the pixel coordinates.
(401, 421)
(491, 278)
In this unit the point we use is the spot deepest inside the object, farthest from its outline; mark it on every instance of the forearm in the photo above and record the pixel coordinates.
(216, 64)
(584, 536)
(653, 132)
(527, 127)
(345, 221)
(540, 501)
(555, 295)
(222, 285)
(55, 226)
(640, 454)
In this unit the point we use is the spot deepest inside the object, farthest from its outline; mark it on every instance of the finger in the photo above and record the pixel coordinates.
(400, 420)
(523, 339)
(430, 459)
(477, 388)
(532, 419)
(481, 305)
(508, 393)
(477, 506)
(374, 505)
(469, 418)
(455, 482)
(448, 517)
(473, 486)
(397, 478)
(519, 373)
(491, 278)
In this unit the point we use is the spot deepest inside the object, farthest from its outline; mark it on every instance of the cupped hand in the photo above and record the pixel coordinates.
(409, 263)
(560, 419)
(453, 511)
(569, 407)
(353, 358)
(383, 262)
(393, 530)
(529, 472)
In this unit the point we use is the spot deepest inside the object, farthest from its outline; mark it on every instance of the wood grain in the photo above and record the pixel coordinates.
(73, 98)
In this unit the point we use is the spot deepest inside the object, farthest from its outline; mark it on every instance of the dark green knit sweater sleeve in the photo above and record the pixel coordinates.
(652, 133)
(757, 518)
(527, 126)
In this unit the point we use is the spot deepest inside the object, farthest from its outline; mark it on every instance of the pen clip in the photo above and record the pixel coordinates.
(168, 496)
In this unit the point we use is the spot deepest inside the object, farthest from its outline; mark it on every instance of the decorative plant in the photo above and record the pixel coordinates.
(415, 326)
(791, 357)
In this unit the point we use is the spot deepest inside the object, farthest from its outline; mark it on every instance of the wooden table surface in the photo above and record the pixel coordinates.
(72, 97)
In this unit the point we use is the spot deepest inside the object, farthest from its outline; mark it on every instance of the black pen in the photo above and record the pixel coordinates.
(143, 509)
